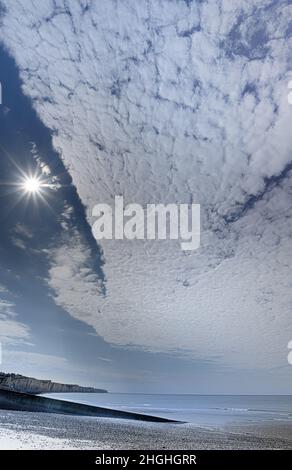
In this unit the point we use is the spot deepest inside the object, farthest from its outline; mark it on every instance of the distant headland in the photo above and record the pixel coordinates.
(21, 383)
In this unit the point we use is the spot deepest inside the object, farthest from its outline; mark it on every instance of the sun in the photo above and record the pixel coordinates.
(32, 185)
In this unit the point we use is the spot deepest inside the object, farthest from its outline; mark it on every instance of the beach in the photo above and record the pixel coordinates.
(203, 422)
(24, 430)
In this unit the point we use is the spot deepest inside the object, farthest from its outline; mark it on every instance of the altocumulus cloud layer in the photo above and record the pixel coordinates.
(172, 101)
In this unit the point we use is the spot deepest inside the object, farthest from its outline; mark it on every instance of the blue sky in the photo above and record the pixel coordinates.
(167, 102)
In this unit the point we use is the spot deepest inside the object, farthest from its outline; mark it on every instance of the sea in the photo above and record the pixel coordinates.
(202, 410)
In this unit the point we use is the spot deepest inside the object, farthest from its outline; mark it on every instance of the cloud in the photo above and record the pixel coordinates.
(76, 287)
(21, 235)
(23, 231)
(38, 365)
(11, 330)
(105, 359)
(33, 359)
(172, 102)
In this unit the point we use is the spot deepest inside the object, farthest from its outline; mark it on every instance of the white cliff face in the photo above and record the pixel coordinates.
(20, 383)
(172, 101)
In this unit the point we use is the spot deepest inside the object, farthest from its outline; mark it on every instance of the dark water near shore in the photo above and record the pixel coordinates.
(197, 409)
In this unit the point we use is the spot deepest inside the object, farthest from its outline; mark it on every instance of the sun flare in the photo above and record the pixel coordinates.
(32, 185)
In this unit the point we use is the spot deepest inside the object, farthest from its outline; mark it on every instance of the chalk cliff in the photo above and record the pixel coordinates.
(20, 383)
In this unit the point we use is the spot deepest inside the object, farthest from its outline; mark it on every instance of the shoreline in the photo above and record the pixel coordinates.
(17, 401)
(46, 431)
(38, 422)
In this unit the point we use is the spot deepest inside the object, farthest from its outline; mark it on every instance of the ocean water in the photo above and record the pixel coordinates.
(209, 410)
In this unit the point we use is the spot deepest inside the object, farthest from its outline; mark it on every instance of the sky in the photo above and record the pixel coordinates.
(161, 101)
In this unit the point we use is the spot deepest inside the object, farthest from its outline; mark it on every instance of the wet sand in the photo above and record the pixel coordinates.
(24, 430)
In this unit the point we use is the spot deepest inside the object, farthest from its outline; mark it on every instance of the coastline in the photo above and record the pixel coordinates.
(38, 422)
(30, 430)
(16, 401)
